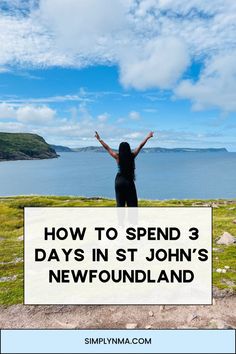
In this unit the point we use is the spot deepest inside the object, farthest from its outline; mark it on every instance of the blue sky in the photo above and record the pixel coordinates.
(68, 68)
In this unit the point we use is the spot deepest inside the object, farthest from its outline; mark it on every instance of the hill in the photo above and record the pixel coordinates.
(153, 149)
(60, 148)
(24, 146)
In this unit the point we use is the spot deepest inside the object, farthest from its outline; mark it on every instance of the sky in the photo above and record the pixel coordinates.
(121, 67)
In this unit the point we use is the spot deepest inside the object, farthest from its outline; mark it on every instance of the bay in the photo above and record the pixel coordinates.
(158, 175)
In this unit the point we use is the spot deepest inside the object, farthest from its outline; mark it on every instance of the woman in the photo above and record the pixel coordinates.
(124, 182)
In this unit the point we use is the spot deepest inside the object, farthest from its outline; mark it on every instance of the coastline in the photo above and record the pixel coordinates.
(30, 158)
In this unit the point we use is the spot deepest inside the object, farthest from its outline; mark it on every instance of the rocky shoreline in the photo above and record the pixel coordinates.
(28, 158)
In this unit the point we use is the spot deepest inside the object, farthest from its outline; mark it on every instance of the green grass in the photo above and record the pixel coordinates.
(11, 249)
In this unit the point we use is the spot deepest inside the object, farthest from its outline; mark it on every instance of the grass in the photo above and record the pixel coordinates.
(11, 250)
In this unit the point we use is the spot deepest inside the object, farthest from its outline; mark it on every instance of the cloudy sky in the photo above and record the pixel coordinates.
(122, 67)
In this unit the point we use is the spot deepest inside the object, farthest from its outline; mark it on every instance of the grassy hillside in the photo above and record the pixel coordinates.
(11, 241)
(24, 146)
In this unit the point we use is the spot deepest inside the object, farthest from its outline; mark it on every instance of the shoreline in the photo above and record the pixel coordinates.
(31, 159)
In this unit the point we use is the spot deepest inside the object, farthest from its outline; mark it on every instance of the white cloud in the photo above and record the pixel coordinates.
(14, 127)
(150, 40)
(160, 64)
(24, 42)
(27, 113)
(216, 86)
(133, 115)
(83, 27)
(6, 111)
(133, 135)
(103, 117)
(35, 115)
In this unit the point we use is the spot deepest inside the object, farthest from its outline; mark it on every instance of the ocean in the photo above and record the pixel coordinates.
(183, 175)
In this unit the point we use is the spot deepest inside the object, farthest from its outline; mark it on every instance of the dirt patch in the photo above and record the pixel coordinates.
(219, 315)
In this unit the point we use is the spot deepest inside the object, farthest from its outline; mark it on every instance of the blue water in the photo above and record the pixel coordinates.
(158, 175)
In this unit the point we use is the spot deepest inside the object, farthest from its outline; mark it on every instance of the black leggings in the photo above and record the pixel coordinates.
(125, 192)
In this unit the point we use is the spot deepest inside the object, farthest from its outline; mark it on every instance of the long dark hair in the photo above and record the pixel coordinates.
(126, 161)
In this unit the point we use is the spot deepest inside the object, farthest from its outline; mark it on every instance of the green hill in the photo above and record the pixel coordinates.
(24, 146)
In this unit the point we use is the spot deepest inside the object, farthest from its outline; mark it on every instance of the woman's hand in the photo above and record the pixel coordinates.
(97, 136)
(107, 147)
(150, 135)
(136, 151)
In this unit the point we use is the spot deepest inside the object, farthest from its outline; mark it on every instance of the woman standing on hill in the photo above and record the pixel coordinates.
(124, 182)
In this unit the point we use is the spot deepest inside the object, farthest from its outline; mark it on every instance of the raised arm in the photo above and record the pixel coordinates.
(137, 150)
(109, 150)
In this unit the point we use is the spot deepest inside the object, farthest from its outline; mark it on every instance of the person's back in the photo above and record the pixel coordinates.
(124, 182)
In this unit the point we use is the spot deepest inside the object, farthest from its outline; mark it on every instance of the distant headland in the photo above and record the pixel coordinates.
(144, 150)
